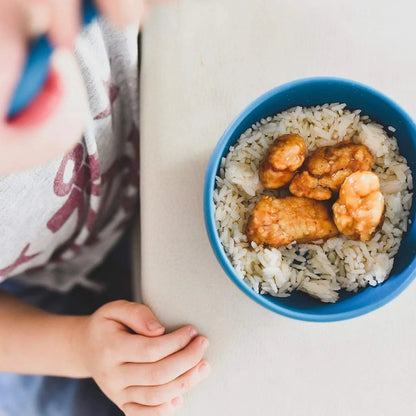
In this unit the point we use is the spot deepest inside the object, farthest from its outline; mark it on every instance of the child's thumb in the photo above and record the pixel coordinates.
(139, 318)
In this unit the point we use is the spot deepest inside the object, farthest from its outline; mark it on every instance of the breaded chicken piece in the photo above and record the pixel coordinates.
(306, 185)
(360, 207)
(285, 156)
(280, 221)
(326, 170)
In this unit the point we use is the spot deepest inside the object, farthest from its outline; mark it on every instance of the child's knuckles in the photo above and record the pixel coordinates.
(151, 351)
(131, 308)
(110, 307)
(139, 311)
(151, 396)
(158, 375)
(147, 396)
(120, 303)
(126, 308)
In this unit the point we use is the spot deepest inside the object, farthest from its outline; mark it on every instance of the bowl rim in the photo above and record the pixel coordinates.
(209, 214)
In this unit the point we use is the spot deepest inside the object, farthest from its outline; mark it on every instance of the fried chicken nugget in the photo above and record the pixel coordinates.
(285, 156)
(327, 168)
(280, 221)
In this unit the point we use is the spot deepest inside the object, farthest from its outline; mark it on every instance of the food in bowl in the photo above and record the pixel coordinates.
(285, 156)
(320, 268)
(328, 167)
(360, 207)
(281, 221)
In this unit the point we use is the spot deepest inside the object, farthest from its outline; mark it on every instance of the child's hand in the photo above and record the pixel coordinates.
(141, 370)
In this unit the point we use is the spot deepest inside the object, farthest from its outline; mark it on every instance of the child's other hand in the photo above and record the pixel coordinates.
(50, 126)
(143, 371)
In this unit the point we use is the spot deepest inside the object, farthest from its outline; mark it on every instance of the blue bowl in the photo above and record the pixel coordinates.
(308, 92)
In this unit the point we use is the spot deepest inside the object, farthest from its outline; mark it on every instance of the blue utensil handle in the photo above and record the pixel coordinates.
(36, 69)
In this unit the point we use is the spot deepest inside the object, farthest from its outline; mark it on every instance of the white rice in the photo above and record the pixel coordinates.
(340, 263)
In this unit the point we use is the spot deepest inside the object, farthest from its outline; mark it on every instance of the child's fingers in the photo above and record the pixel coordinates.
(137, 349)
(65, 21)
(12, 51)
(38, 17)
(166, 370)
(155, 395)
(37, 135)
(135, 316)
(166, 409)
(123, 12)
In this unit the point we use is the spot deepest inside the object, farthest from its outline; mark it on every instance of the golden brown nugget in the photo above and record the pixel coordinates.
(326, 170)
(280, 221)
(285, 157)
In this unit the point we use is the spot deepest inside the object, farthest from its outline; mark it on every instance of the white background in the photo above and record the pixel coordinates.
(203, 62)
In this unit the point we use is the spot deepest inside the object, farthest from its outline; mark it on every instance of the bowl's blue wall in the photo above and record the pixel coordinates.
(307, 92)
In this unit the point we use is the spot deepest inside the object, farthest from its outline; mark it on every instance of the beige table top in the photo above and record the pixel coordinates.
(203, 62)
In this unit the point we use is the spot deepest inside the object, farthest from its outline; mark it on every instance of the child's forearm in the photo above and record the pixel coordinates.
(33, 341)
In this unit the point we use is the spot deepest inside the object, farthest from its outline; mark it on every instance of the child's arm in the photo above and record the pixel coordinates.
(121, 346)
(36, 342)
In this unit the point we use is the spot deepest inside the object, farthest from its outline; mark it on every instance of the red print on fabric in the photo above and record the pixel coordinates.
(22, 258)
(123, 173)
(113, 91)
(76, 187)
(84, 179)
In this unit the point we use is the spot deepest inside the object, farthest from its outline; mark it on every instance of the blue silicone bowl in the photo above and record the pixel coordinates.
(307, 92)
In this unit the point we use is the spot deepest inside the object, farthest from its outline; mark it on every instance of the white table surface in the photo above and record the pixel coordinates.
(203, 62)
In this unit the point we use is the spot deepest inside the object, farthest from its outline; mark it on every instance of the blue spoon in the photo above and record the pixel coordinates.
(35, 72)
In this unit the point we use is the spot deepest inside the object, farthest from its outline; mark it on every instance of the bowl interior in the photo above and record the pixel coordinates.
(381, 109)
